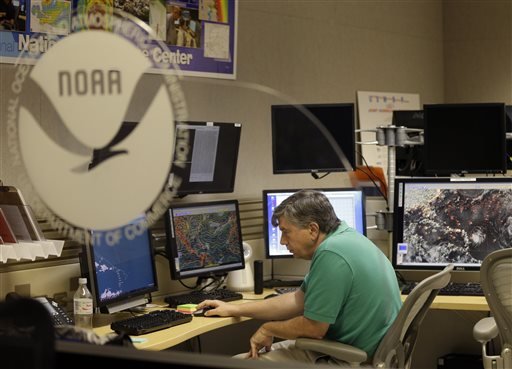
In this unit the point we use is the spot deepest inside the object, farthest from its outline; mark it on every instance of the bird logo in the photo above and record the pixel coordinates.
(98, 144)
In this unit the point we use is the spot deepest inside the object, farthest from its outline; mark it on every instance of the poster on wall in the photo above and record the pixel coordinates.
(197, 36)
(376, 109)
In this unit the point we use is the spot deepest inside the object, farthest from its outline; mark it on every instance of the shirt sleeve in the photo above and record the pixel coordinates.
(327, 286)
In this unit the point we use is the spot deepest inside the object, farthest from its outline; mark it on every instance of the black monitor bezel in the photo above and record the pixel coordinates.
(398, 226)
(139, 293)
(172, 248)
(430, 148)
(508, 128)
(266, 218)
(188, 188)
(350, 155)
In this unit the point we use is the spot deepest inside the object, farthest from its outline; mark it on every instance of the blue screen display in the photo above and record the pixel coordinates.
(348, 205)
(125, 269)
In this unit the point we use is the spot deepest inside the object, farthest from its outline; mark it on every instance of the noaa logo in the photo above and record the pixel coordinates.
(99, 146)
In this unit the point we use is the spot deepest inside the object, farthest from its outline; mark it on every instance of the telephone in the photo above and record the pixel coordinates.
(59, 316)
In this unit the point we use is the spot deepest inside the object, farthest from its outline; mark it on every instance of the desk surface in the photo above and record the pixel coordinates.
(475, 303)
(444, 302)
(163, 339)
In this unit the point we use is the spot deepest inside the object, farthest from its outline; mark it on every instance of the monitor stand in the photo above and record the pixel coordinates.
(275, 282)
(125, 305)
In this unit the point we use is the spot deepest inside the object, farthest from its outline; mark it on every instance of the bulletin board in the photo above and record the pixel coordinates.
(197, 36)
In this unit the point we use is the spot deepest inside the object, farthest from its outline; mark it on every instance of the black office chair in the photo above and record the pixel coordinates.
(396, 347)
(26, 335)
(496, 280)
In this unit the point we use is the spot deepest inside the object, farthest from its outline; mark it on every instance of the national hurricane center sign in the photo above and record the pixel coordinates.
(197, 35)
(100, 156)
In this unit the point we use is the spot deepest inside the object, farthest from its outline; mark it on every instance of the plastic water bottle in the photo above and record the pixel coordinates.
(82, 305)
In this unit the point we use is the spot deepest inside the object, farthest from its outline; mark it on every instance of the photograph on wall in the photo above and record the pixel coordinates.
(198, 37)
(13, 15)
(53, 17)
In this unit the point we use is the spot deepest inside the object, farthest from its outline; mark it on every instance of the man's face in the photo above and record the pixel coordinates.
(298, 241)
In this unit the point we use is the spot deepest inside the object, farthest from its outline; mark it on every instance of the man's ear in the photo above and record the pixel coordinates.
(314, 230)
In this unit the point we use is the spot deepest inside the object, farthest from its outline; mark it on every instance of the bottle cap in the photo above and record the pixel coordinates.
(82, 280)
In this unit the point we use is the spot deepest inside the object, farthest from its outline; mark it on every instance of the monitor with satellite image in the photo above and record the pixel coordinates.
(437, 221)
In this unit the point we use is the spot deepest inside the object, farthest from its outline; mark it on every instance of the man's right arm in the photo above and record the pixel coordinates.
(282, 307)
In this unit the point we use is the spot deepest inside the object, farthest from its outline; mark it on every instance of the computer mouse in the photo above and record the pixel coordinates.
(271, 295)
(201, 312)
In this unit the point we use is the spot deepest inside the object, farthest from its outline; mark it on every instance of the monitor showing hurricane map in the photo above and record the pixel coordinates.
(456, 224)
(207, 238)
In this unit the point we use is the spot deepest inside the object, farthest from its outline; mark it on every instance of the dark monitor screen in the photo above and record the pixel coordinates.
(122, 274)
(204, 239)
(437, 221)
(508, 127)
(208, 164)
(464, 138)
(348, 204)
(409, 159)
(299, 146)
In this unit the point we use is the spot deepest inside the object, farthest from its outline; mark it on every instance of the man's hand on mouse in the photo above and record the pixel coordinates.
(217, 308)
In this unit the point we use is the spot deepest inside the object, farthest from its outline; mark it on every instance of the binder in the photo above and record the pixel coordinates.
(15, 219)
(6, 232)
(19, 214)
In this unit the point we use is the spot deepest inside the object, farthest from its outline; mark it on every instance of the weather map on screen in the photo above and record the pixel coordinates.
(441, 221)
(205, 238)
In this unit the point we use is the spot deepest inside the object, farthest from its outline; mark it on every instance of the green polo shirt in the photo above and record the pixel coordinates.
(352, 286)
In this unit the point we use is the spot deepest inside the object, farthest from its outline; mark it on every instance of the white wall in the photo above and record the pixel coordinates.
(477, 51)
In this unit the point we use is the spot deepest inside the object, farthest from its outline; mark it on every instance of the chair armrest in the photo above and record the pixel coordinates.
(485, 330)
(337, 350)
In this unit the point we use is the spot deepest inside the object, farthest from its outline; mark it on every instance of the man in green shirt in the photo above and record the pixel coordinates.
(350, 293)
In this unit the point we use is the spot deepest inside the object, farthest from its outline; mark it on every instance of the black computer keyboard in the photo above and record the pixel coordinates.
(150, 322)
(281, 290)
(195, 297)
(452, 289)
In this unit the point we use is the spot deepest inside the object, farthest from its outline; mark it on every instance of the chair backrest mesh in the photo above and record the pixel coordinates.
(401, 336)
(496, 276)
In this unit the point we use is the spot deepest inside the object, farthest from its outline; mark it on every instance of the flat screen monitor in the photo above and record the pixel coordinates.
(208, 163)
(348, 204)
(121, 274)
(464, 138)
(204, 239)
(508, 127)
(409, 159)
(437, 221)
(299, 146)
